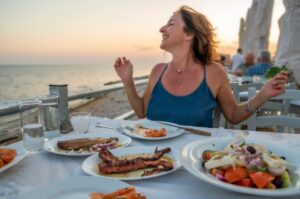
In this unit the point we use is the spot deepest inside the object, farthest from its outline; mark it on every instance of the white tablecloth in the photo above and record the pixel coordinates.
(42, 168)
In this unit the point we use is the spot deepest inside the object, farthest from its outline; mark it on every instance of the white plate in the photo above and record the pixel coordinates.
(191, 160)
(75, 188)
(21, 153)
(171, 131)
(51, 145)
(90, 165)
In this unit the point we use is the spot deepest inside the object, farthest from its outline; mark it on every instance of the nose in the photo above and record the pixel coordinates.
(162, 29)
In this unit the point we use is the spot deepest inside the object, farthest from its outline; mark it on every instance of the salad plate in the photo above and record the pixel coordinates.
(171, 131)
(191, 158)
(51, 145)
(21, 153)
(75, 188)
(90, 165)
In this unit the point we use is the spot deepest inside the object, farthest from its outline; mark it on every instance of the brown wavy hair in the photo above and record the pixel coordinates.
(204, 44)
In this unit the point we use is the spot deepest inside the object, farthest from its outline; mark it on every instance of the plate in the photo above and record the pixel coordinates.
(21, 153)
(191, 153)
(75, 188)
(51, 145)
(171, 131)
(90, 164)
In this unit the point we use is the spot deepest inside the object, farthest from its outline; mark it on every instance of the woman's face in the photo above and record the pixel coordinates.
(172, 33)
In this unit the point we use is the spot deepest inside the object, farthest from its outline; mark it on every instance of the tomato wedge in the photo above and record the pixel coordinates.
(235, 174)
(261, 179)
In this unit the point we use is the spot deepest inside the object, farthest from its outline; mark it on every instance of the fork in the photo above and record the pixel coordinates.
(119, 129)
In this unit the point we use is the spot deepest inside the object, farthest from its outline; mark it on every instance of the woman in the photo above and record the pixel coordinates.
(186, 90)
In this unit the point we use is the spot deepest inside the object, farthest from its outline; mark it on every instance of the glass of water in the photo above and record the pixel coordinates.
(50, 116)
(80, 121)
(32, 128)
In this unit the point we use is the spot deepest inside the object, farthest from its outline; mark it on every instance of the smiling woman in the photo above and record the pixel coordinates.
(186, 90)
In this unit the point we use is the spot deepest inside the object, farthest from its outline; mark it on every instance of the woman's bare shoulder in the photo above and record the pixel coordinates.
(157, 69)
(217, 69)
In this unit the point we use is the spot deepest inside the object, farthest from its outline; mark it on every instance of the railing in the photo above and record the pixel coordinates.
(104, 89)
(126, 116)
(10, 121)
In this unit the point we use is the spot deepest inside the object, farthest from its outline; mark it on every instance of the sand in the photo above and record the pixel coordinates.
(110, 105)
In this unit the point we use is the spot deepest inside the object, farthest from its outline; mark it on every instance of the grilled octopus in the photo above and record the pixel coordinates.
(112, 164)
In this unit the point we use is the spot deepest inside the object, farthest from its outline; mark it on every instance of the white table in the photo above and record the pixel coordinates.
(43, 168)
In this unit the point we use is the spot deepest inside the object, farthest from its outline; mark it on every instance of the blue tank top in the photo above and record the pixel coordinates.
(194, 109)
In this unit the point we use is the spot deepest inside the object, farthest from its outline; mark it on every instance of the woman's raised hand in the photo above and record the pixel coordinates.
(275, 86)
(124, 69)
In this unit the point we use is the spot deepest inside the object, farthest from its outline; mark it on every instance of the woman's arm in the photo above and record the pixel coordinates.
(139, 104)
(235, 112)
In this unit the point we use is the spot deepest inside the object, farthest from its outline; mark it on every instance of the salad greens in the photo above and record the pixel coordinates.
(273, 70)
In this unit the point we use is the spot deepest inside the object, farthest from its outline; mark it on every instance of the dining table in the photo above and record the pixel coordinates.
(42, 168)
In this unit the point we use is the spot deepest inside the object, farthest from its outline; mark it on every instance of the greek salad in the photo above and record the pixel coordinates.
(248, 165)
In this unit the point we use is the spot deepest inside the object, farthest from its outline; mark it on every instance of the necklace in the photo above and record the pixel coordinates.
(179, 75)
(179, 70)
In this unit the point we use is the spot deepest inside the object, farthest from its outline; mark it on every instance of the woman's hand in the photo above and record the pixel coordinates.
(275, 86)
(124, 69)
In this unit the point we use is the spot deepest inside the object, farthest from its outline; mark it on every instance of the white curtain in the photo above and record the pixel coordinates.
(258, 23)
(288, 46)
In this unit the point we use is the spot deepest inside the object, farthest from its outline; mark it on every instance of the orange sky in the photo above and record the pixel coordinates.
(96, 31)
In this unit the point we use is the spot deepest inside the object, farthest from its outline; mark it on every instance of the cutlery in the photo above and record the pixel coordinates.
(187, 129)
(106, 127)
(119, 129)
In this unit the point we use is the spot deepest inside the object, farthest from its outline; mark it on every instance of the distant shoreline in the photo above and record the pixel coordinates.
(119, 81)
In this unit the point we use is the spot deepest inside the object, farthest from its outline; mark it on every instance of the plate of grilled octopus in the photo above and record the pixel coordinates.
(86, 144)
(132, 163)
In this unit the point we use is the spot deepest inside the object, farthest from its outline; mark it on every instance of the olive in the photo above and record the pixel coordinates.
(251, 149)
(282, 157)
(278, 182)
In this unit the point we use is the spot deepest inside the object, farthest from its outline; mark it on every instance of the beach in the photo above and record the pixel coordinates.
(110, 105)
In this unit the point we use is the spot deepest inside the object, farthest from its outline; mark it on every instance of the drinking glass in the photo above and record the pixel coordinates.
(256, 79)
(32, 128)
(80, 121)
(50, 116)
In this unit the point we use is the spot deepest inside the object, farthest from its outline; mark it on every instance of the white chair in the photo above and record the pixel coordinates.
(240, 91)
(284, 120)
(237, 90)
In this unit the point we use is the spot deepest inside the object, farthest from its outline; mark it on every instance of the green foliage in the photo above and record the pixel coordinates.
(273, 70)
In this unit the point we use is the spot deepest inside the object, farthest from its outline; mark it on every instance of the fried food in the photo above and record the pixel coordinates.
(6, 156)
(124, 193)
(148, 132)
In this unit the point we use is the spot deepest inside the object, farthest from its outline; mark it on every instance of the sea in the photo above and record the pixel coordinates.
(19, 83)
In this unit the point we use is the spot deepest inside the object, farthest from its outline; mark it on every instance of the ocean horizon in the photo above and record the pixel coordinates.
(19, 83)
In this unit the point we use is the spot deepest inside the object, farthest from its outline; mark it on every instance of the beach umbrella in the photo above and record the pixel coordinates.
(258, 23)
(249, 32)
(288, 45)
(242, 32)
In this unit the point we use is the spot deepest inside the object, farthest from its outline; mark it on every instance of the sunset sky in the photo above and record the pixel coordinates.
(96, 31)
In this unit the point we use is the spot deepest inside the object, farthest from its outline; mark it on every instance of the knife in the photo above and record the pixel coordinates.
(191, 130)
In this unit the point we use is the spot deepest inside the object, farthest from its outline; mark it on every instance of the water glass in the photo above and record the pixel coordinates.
(32, 128)
(256, 79)
(80, 121)
(50, 116)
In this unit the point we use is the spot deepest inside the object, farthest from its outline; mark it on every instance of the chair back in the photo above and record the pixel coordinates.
(282, 120)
